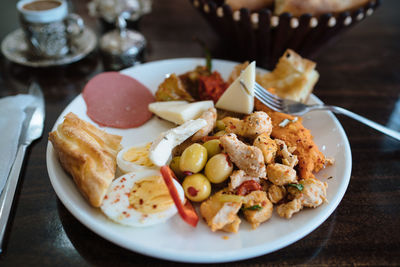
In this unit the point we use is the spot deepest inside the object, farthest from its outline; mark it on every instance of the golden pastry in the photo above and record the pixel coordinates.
(293, 78)
(316, 7)
(88, 154)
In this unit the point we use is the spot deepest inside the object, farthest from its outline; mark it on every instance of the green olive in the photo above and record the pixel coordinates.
(213, 147)
(220, 125)
(218, 168)
(193, 158)
(220, 133)
(197, 187)
(175, 167)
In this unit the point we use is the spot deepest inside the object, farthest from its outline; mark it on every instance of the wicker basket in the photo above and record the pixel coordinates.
(263, 37)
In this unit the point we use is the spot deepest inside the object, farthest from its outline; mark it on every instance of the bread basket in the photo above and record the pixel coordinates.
(263, 36)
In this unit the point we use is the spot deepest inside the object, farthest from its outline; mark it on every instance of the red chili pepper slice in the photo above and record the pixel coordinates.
(247, 187)
(187, 212)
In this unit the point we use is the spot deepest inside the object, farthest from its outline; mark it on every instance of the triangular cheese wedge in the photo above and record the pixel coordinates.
(180, 111)
(239, 97)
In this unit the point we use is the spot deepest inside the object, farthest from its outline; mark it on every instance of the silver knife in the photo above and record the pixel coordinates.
(32, 129)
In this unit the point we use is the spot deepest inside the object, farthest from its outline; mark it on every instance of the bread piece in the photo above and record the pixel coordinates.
(316, 7)
(250, 4)
(88, 154)
(293, 78)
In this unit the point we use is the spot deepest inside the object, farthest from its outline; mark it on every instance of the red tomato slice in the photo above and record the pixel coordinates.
(187, 212)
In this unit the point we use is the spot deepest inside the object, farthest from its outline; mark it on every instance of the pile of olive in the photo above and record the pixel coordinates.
(206, 158)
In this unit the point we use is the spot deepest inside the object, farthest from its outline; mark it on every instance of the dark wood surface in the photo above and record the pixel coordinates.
(361, 72)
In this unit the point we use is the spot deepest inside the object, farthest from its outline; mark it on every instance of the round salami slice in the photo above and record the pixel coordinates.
(116, 100)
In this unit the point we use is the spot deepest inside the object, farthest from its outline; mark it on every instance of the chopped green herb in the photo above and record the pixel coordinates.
(298, 186)
(254, 207)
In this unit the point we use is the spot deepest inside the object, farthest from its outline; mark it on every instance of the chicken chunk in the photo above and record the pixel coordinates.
(313, 193)
(276, 193)
(288, 158)
(280, 174)
(288, 209)
(251, 126)
(257, 208)
(267, 146)
(220, 215)
(238, 177)
(247, 158)
(210, 116)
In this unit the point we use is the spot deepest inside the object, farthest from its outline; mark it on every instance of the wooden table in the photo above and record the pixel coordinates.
(360, 72)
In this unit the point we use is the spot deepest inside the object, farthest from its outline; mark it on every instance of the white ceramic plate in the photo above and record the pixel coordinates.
(178, 241)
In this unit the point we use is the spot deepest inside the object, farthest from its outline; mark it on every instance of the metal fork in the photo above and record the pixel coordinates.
(296, 108)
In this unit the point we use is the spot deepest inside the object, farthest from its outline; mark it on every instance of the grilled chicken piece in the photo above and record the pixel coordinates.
(210, 116)
(287, 210)
(247, 158)
(252, 211)
(220, 215)
(313, 193)
(238, 177)
(288, 158)
(280, 174)
(251, 126)
(276, 193)
(268, 147)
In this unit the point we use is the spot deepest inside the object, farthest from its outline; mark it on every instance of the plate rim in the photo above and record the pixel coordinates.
(204, 257)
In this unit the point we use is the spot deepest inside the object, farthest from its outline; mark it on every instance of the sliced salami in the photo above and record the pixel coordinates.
(117, 100)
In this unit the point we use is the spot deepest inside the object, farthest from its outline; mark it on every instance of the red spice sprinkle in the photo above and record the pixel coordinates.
(105, 197)
(115, 201)
(123, 180)
(127, 194)
(192, 191)
(141, 201)
(232, 127)
(154, 206)
(124, 212)
(228, 160)
(127, 215)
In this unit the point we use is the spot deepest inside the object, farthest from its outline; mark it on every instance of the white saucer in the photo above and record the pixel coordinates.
(15, 49)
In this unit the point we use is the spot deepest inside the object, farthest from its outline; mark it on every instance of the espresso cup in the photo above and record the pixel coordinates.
(49, 28)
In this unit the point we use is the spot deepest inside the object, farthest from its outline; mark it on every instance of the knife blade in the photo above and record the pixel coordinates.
(32, 129)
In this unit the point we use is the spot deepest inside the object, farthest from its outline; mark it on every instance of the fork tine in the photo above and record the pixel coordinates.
(267, 93)
(267, 102)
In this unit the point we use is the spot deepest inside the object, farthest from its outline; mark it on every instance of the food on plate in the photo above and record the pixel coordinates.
(239, 97)
(210, 116)
(172, 89)
(134, 158)
(179, 112)
(193, 159)
(298, 7)
(198, 84)
(140, 198)
(161, 148)
(197, 187)
(251, 126)
(87, 154)
(117, 100)
(295, 135)
(293, 78)
(237, 161)
(218, 168)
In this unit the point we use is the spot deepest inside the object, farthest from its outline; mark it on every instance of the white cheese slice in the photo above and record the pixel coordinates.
(179, 111)
(237, 98)
(161, 149)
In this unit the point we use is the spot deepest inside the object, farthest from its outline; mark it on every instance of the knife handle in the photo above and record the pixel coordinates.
(7, 196)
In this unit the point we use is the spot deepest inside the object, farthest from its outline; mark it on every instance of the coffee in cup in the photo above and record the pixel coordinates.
(47, 26)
